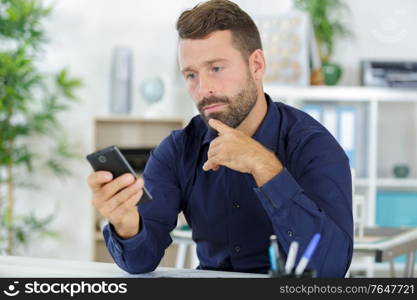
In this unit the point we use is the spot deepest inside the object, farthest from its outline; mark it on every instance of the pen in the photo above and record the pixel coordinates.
(307, 254)
(272, 258)
(279, 263)
(292, 254)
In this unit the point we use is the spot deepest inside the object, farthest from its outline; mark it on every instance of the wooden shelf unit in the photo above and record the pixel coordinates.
(127, 133)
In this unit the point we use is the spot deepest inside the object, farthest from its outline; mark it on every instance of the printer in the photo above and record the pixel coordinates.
(395, 74)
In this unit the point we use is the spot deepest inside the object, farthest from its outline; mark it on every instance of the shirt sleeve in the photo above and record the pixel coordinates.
(143, 252)
(313, 195)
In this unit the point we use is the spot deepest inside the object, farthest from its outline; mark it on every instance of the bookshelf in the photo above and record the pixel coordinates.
(135, 137)
(386, 133)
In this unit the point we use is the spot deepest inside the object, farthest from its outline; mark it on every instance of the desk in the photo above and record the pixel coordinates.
(20, 267)
(385, 244)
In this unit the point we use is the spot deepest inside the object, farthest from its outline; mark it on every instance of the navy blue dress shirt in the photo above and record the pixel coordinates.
(230, 216)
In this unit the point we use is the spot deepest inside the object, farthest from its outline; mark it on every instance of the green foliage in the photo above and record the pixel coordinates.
(326, 16)
(25, 228)
(30, 105)
(20, 20)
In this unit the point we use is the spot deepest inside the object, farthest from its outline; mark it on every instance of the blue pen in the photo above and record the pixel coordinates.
(307, 254)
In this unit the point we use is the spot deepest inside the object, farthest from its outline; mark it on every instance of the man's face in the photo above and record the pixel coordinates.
(218, 78)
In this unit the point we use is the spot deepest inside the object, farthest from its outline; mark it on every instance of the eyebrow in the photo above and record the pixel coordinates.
(206, 63)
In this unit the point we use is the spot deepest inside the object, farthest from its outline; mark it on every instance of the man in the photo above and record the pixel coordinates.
(245, 169)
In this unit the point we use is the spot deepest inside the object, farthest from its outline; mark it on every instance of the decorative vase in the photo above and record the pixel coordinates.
(121, 80)
(332, 73)
(401, 170)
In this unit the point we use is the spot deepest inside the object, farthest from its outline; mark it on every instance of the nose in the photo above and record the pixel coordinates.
(206, 87)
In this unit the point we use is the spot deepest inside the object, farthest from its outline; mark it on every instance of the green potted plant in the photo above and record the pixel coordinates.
(30, 104)
(325, 16)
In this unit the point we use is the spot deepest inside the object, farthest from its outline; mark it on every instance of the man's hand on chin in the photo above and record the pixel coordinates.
(237, 151)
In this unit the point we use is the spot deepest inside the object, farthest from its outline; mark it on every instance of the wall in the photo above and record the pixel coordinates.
(82, 34)
(383, 29)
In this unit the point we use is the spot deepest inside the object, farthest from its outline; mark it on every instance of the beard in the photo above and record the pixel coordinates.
(237, 109)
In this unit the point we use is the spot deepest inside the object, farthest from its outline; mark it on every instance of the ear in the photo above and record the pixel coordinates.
(257, 64)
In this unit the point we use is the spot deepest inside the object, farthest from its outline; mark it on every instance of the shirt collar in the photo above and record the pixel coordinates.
(266, 134)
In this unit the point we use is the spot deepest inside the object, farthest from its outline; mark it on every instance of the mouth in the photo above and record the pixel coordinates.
(213, 107)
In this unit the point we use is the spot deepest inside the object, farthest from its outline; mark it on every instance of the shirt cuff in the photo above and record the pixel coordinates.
(127, 244)
(278, 191)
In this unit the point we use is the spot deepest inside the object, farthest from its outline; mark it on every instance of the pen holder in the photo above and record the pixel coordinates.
(305, 274)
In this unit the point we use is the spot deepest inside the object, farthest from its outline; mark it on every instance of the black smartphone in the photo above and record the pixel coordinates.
(112, 160)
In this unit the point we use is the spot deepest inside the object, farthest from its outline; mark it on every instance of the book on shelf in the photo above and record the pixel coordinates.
(340, 121)
(346, 118)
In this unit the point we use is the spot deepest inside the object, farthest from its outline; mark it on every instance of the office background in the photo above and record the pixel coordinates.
(83, 35)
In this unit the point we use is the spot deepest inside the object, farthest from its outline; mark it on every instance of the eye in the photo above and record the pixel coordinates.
(189, 76)
(217, 69)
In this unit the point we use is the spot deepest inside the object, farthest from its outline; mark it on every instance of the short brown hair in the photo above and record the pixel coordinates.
(215, 15)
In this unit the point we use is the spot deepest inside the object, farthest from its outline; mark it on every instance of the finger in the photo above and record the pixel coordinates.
(214, 147)
(133, 201)
(121, 197)
(220, 127)
(212, 164)
(216, 142)
(212, 151)
(97, 179)
(120, 211)
(113, 187)
(141, 182)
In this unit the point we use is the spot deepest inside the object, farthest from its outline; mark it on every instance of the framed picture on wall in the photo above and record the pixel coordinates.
(289, 47)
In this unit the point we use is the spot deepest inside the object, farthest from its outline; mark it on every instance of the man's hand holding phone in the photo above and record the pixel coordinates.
(116, 200)
(116, 191)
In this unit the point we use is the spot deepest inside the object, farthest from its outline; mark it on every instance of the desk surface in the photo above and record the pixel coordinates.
(387, 243)
(19, 267)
